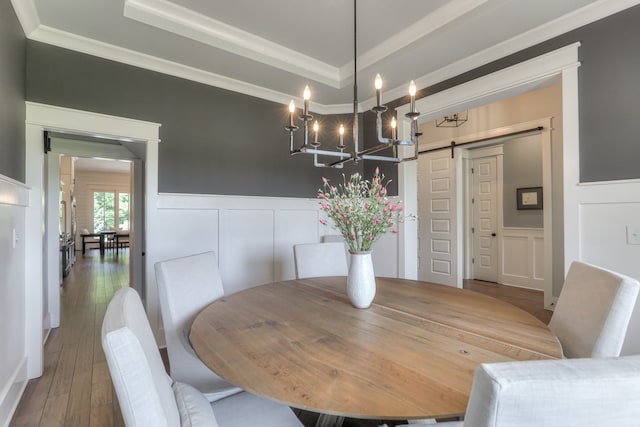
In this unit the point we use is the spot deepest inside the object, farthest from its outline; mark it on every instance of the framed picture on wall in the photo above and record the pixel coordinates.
(529, 198)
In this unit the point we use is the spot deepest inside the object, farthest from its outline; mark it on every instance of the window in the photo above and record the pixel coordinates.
(110, 208)
(123, 211)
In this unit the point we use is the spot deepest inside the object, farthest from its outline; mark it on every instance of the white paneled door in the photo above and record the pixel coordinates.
(485, 219)
(437, 218)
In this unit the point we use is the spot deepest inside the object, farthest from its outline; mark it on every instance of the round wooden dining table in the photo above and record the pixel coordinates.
(412, 354)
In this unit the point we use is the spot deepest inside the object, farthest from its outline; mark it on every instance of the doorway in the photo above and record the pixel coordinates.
(506, 239)
(141, 138)
(477, 243)
(560, 65)
(77, 145)
(104, 196)
(485, 201)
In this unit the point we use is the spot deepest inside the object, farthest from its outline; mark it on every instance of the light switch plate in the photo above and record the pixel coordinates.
(633, 234)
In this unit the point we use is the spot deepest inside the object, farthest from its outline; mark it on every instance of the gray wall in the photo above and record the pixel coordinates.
(213, 141)
(522, 168)
(216, 141)
(12, 94)
(609, 92)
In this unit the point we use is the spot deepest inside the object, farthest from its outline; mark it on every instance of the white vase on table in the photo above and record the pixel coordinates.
(361, 280)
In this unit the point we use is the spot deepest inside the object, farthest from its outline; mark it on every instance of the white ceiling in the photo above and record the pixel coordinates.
(271, 49)
(101, 165)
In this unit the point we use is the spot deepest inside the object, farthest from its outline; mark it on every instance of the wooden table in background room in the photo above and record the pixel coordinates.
(412, 354)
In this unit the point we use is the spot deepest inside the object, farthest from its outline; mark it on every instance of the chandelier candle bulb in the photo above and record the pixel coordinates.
(315, 129)
(292, 109)
(394, 131)
(307, 96)
(412, 94)
(378, 86)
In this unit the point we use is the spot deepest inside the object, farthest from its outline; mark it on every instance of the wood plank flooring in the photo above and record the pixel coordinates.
(526, 299)
(76, 390)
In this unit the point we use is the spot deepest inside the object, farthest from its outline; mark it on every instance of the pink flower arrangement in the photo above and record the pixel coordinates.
(360, 210)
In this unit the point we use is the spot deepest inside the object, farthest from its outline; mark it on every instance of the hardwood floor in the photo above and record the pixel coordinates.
(76, 390)
(526, 299)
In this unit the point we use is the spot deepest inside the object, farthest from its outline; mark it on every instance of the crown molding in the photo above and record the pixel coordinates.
(571, 21)
(111, 52)
(520, 75)
(451, 11)
(179, 20)
(27, 15)
(170, 17)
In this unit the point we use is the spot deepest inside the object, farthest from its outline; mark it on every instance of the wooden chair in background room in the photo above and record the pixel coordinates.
(320, 259)
(593, 311)
(149, 397)
(109, 238)
(186, 285)
(122, 241)
(554, 393)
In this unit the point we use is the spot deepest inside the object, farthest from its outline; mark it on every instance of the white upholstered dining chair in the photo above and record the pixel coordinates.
(320, 259)
(149, 397)
(555, 393)
(186, 285)
(593, 311)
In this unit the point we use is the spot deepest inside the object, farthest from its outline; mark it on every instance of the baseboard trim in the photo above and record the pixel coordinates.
(513, 285)
(12, 393)
(46, 336)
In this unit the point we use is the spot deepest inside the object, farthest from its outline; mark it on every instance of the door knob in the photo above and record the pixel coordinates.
(493, 234)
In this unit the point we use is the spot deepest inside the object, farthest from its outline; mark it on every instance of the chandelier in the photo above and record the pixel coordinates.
(313, 147)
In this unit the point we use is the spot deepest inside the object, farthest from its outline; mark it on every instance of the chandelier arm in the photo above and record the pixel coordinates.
(379, 127)
(318, 164)
(390, 141)
(306, 118)
(341, 161)
(371, 150)
(382, 158)
(291, 141)
(324, 152)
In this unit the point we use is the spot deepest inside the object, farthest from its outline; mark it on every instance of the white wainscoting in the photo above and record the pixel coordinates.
(605, 209)
(253, 237)
(14, 197)
(522, 262)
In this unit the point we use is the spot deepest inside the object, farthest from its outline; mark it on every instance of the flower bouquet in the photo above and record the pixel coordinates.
(361, 212)
(360, 209)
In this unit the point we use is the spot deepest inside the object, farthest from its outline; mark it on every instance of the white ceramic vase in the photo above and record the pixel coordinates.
(361, 281)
